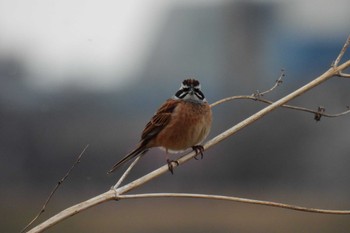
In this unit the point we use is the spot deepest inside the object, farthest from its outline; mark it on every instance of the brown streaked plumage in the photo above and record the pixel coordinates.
(182, 122)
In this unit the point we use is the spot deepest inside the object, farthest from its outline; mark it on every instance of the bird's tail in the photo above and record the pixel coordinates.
(139, 150)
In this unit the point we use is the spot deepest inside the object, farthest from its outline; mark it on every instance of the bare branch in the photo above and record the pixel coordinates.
(75, 209)
(277, 83)
(59, 183)
(254, 96)
(234, 199)
(257, 97)
(126, 173)
(340, 56)
(318, 113)
(343, 75)
(342, 52)
(231, 98)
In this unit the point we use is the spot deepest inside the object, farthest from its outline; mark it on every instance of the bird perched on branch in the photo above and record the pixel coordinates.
(183, 121)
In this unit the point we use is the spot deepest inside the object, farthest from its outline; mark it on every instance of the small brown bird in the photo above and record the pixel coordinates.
(183, 121)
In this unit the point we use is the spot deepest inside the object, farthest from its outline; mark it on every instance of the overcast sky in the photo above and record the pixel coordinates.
(64, 36)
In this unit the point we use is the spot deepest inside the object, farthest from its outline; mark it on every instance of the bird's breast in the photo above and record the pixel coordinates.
(189, 125)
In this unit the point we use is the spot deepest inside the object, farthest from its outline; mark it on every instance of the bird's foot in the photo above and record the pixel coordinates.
(171, 165)
(199, 150)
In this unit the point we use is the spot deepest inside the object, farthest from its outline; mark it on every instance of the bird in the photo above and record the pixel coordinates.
(182, 121)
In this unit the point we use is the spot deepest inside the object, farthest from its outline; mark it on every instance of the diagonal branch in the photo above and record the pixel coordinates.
(56, 188)
(126, 173)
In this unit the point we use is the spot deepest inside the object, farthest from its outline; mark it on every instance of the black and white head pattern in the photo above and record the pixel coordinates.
(190, 90)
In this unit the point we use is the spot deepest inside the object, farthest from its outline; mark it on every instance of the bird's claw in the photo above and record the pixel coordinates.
(199, 150)
(171, 166)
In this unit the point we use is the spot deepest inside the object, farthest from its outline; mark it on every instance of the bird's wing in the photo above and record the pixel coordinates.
(160, 119)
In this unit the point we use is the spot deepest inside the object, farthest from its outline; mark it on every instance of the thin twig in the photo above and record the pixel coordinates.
(234, 199)
(254, 96)
(283, 106)
(257, 97)
(126, 173)
(340, 56)
(342, 52)
(277, 83)
(59, 183)
(231, 98)
(343, 75)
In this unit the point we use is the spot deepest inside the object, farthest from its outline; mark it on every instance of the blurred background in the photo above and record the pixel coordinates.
(78, 72)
